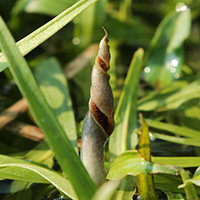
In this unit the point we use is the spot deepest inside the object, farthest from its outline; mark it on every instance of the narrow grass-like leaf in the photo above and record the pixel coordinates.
(173, 196)
(189, 188)
(56, 137)
(131, 163)
(173, 100)
(178, 161)
(145, 183)
(123, 137)
(178, 140)
(178, 130)
(55, 89)
(12, 168)
(107, 190)
(40, 35)
(144, 141)
(49, 7)
(195, 179)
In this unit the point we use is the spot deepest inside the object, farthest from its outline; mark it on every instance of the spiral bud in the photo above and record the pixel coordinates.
(99, 121)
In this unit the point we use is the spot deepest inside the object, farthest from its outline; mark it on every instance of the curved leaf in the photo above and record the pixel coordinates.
(11, 168)
(131, 163)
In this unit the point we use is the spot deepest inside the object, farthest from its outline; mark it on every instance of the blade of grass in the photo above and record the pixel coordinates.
(178, 161)
(174, 129)
(55, 89)
(56, 137)
(189, 188)
(178, 140)
(123, 137)
(37, 37)
(16, 169)
(132, 163)
(145, 183)
(107, 190)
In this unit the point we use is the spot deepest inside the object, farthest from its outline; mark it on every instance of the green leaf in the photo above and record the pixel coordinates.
(145, 183)
(43, 33)
(178, 161)
(123, 137)
(144, 141)
(55, 89)
(12, 168)
(178, 130)
(131, 163)
(189, 188)
(55, 135)
(165, 182)
(173, 196)
(126, 190)
(195, 179)
(41, 154)
(171, 100)
(178, 140)
(49, 7)
(107, 190)
(165, 55)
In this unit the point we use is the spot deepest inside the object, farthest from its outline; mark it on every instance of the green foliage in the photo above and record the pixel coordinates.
(166, 34)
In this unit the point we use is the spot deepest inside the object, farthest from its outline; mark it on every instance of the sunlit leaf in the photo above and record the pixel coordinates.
(56, 137)
(195, 179)
(145, 183)
(106, 191)
(178, 130)
(123, 137)
(131, 163)
(11, 168)
(55, 89)
(178, 161)
(37, 37)
(49, 7)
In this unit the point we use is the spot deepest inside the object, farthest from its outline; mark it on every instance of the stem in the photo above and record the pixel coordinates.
(190, 191)
(92, 150)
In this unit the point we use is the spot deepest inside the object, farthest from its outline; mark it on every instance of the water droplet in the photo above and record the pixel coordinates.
(147, 69)
(142, 163)
(152, 138)
(181, 7)
(76, 41)
(172, 69)
(177, 75)
(174, 62)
